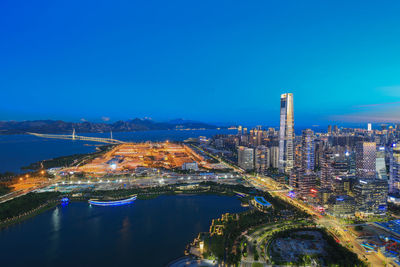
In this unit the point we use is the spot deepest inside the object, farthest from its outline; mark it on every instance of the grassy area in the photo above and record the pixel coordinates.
(25, 204)
(29, 214)
(226, 246)
(4, 189)
(151, 192)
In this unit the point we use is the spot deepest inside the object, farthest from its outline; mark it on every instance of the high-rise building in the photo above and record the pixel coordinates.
(239, 130)
(342, 206)
(286, 133)
(336, 129)
(371, 196)
(262, 158)
(307, 151)
(246, 158)
(274, 154)
(303, 183)
(326, 163)
(366, 160)
(394, 170)
(329, 129)
(381, 172)
(369, 127)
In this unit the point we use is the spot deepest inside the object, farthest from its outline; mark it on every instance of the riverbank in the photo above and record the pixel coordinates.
(28, 214)
(113, 236)
(32, 204)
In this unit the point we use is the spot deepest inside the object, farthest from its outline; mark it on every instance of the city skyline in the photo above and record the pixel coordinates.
(200, 133)
(92, 61)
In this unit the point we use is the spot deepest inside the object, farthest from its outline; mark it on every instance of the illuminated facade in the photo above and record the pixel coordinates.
(246, 158)
(286, 134)
(326, 163)
(366, 160)
(394, 176)
(262, 159)
(371, 196)
(274, 156)
(381, 164)
(307, 151)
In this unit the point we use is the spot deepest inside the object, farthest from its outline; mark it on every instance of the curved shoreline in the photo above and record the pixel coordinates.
(140, 196)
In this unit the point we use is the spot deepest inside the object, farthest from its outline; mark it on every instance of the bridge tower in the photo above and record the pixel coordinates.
(73, 134)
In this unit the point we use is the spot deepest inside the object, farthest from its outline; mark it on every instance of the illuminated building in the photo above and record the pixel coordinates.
(369, 127)
(371, 196)
(240, 130)
(260, 203)
(304, 184)
(366, 160)
(286, 134)
(307, 151)
(190, 166)
(336, 129)
(341, 185)
(324, 195)
(394, 170)
(381, 164)
(342, 206)
(329, 129)
(274, 154)
(246, 158)
(326, 163)
(262, 159)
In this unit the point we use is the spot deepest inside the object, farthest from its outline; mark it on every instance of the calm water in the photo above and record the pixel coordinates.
(21, 150)
(145, 233)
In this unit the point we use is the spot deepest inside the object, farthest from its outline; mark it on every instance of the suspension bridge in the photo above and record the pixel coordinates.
(74, 136)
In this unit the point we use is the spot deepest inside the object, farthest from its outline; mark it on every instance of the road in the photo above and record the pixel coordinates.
(338, 230)
(21, 192)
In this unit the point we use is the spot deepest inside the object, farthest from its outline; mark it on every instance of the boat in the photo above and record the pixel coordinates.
(98, 202)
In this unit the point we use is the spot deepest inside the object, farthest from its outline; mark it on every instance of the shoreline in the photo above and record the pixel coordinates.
(54, 203)
(33, 213)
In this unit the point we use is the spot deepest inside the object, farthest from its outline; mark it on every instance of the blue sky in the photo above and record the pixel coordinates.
(213, 61)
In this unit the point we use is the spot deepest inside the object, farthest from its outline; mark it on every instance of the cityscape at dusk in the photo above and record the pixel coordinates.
(200, 134)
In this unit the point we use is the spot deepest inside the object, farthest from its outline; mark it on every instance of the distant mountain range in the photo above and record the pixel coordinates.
(62, 127)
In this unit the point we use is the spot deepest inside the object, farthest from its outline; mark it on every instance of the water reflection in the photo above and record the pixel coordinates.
(147, 233)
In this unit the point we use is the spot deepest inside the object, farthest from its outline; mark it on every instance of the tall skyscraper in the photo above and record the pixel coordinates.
(286, 134)
(329, 129)
(274, 156)
(336, 129)
(366, 160)
(326, 163)
(394, 172)
(381, 164)
(239, 130)
(369, 127)
(246, 158)
(307, 151)
(262, 159)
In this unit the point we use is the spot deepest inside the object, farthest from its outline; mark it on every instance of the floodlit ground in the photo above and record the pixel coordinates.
(130, 156)
(28, 183)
